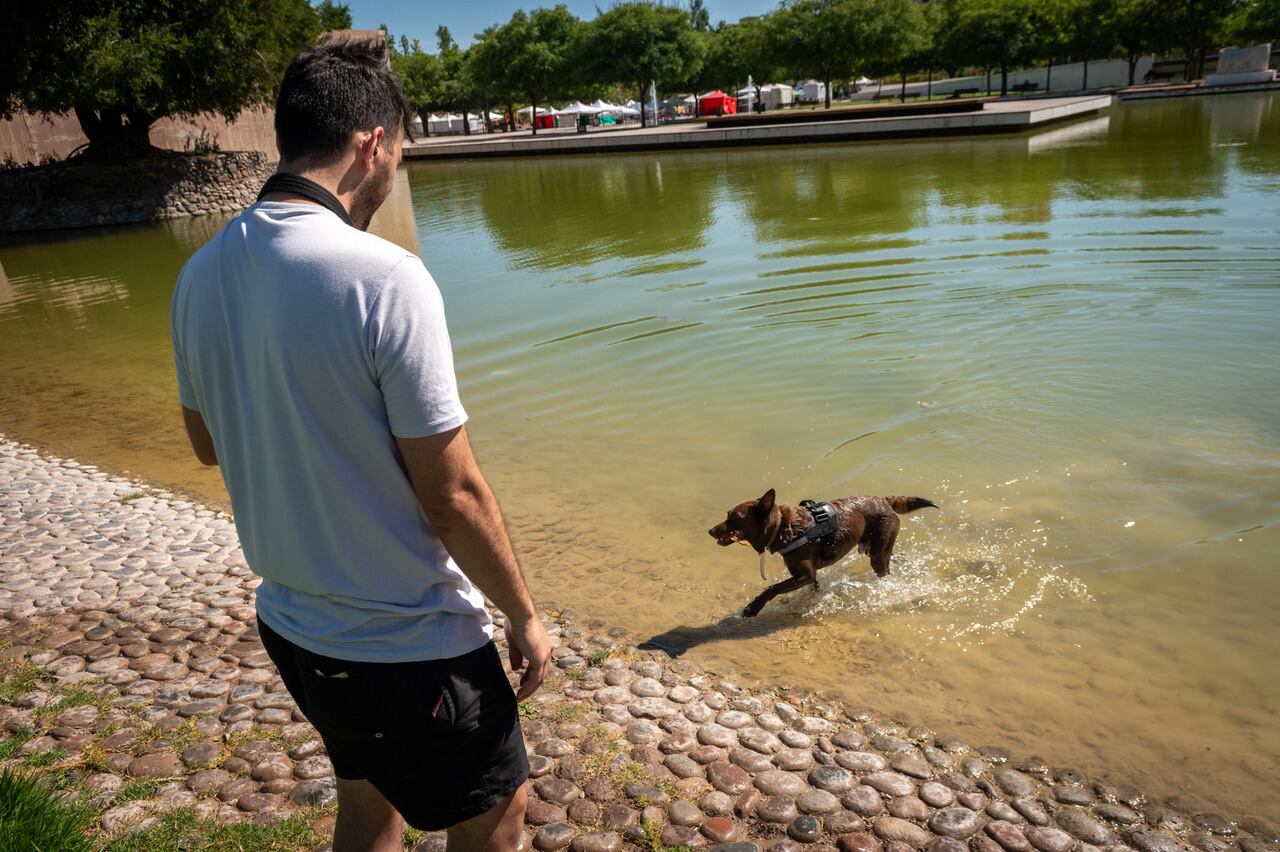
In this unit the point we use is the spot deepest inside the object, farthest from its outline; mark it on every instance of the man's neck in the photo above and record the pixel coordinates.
(328, 178)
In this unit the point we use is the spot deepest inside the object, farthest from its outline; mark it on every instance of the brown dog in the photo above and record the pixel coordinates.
(870, 523)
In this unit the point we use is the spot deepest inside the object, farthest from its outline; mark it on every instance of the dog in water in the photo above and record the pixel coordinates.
(869, 523)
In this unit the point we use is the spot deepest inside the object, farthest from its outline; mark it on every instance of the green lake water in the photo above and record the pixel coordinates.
(1069, 339)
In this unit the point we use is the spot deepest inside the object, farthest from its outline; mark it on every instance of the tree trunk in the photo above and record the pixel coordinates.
(1004, 80)
(1084, 81)
(642, 106)
(533, 114)
(826, 81)
(1133, 66)
(929, 91)
(1048, 75)
(115, 127)
(902, 95)
(988, 91)
(510, 118)
(466, 120)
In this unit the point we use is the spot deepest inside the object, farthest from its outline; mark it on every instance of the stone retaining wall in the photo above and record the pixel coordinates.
(80, 194)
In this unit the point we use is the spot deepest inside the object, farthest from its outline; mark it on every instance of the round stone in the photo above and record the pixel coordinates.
(686, 813)
(1031, 811)
(680, 836)
(647, 687)
(1014, 782)
(316, 793)
(804, 829)
(843, 822)
(894, 829)
(1050, 839)
(554, 747)
(776, 809)
(945, 844)
(316, 766)
(909, 764)
(960, 823)
(795, 739)
(728, 778)
(1008, 835)
(682, 766)
(793, 759)
(890, 783)
(255, 802)
(1128, 816)
(159, 765)
(863, 800)
(734, 719)
(861, 761)
(717, 735)
(1077, 822)
(557, 790)
(935, 795)
(596, 841)
(833, 779)
(538, 812)
(652, 708)
(908, 807)
(758, 739)
(817, 802)
(752, 761)
(553, 837)
(640, 732)
(720, 829)
(1154, 841)
(716, 803)
(778, 783)
(859, 841)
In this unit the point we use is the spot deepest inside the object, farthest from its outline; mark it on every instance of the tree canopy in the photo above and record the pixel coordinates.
(121, 64)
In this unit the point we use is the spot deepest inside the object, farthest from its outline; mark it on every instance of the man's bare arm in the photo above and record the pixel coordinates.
(198, 434)
(463, 511)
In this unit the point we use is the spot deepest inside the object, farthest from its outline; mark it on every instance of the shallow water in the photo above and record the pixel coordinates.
(1066, 339)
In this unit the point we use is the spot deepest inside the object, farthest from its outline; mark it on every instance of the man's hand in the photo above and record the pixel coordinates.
(528, 643)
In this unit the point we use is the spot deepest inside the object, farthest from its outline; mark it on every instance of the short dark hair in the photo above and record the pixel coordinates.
(331, 90)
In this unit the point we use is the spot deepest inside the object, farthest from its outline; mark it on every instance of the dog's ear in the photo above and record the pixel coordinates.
(765, 504)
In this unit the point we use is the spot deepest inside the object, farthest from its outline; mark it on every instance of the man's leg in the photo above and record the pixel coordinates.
(367, 822)
(495, 830)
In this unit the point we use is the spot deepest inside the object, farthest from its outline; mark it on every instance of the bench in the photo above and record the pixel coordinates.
(1025, 87)
(961, 92)
(1154, 76)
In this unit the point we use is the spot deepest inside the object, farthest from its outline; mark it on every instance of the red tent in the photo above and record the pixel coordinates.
(717, 103)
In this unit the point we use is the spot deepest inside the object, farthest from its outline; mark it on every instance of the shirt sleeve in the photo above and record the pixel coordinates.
(412, 356)
(186, 393)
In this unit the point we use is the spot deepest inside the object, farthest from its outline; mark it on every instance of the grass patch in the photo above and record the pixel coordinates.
(34, 819)
(178, 738)
(180, 830)
(138, 789)
(412, 836)
(23, 677)
(44, 758)
(10, 745)
(597, 657)
(574, 674)
(528, 711)
(571, 712)
(131, 496)
(76, 696)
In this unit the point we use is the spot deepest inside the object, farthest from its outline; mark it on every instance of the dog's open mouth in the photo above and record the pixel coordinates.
(728, 539)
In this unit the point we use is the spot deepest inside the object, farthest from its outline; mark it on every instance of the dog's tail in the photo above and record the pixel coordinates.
(903, 505)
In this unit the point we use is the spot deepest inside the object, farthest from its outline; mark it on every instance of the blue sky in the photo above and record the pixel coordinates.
(465, 18)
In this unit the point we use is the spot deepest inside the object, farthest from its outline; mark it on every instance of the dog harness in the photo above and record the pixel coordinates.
(823, 530)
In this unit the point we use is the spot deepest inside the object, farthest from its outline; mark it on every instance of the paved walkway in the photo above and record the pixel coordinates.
(1006, 116)
(126, 613)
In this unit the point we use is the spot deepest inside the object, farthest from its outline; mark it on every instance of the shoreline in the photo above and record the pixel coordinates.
(136, 605)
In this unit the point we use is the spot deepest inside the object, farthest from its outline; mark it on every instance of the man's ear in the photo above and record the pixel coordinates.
(765, 504)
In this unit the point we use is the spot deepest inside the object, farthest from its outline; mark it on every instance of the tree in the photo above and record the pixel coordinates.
(1091, 32)
(456, 89)
(1133, 25)
(419, 74)
(828, 38)
(909, 43)
(120, 65)
(636, 42)
(1257, 21)
(536, 48)
(990, 33)
(732, 53)
(333, 16)
(699, 17)
(1196, 27)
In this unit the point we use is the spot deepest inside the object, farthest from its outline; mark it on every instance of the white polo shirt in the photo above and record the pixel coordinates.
(307, 346)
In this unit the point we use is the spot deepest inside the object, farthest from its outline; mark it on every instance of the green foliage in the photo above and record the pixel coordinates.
(20, 678)
(333, 16)
(40, 760)
(529, 56)
(991, 34)
(34, 819)
(636, 42)
(1256, 21)
(122, 64)
(830, 39)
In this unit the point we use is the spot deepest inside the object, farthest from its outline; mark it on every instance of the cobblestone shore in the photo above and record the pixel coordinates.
(129, 612)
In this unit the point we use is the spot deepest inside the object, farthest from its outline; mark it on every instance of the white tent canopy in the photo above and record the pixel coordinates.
(578, 107)
(541, 111)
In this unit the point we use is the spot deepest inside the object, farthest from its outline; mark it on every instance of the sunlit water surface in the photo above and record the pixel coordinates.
(1069, 340)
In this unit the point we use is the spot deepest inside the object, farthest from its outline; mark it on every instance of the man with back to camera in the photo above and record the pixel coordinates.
(314, 366)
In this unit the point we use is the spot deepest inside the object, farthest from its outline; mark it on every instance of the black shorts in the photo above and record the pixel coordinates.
(440, 739)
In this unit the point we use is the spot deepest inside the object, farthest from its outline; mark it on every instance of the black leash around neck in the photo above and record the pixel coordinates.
(305, 188)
